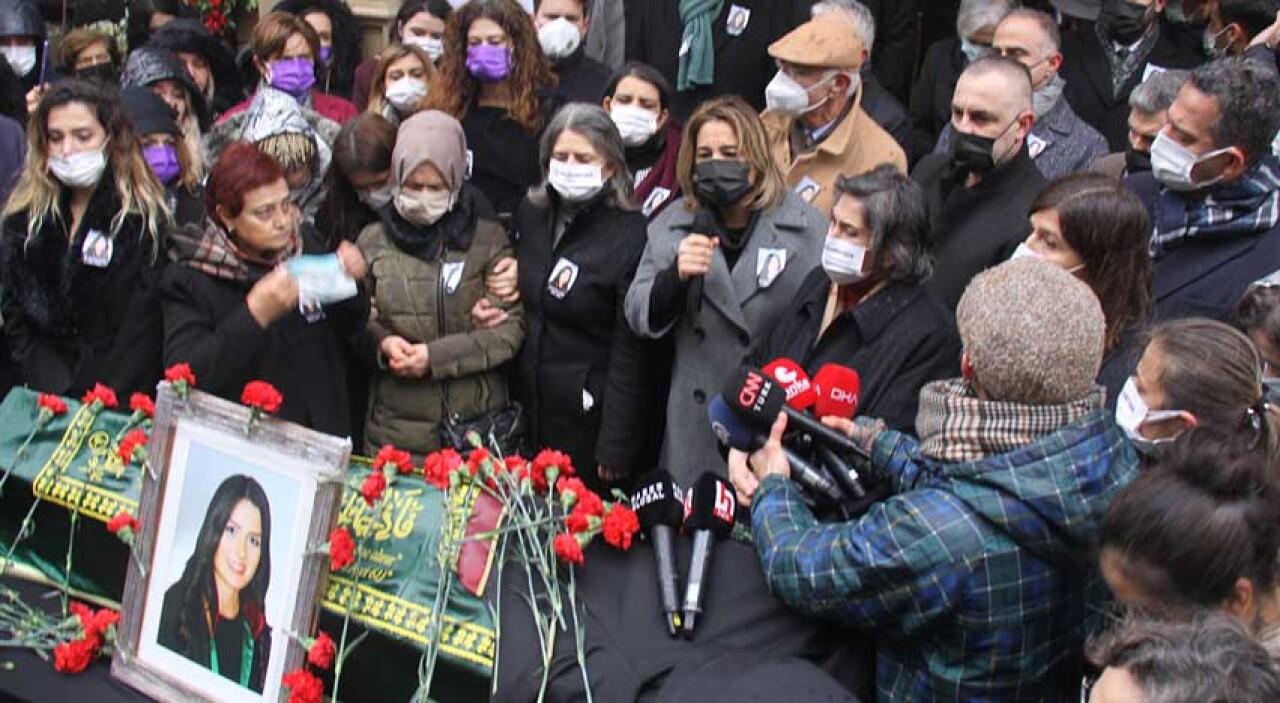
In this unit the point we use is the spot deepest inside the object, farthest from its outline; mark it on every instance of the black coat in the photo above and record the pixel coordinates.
(894, 55)
(1088, 76)
(979, 227)
(897, 340)
(1205, 277)
(504, 157)
(69, 324)
(931, 97)
(207, 324)
(742, 64)
(582, 79)
(581, 342)
(885, 110)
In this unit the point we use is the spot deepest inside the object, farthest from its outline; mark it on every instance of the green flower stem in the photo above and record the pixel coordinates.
(578, 633)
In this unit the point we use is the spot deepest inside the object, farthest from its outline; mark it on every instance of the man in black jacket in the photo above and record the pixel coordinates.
(979, 190)
(1214, 190)
(562, 25)
(1130, 41)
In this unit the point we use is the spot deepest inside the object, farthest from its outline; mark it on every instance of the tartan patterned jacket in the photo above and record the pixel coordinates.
(972, 575)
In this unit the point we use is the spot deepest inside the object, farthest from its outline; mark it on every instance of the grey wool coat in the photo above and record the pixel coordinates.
(713, 337)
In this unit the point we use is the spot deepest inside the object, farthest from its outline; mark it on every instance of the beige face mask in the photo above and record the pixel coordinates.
(423, 207)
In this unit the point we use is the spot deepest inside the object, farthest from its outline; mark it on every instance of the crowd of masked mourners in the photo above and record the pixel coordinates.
(1045, 236)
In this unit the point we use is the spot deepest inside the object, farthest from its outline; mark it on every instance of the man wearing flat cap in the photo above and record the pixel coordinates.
(817, 129)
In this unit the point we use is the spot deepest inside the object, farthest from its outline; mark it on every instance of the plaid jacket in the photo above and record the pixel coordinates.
(971, 575)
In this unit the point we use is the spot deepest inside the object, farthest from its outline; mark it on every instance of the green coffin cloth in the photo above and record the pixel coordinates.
(71, 465)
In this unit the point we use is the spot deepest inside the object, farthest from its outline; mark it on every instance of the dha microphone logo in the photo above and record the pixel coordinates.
(841, 395)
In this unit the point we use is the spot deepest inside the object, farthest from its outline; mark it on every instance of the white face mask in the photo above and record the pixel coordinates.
(423, 207)
(81, 169)
(1024, 251)
(559, 38)
(1172, 164)
(636, 124)
(843, 260)
(575, 182)
(785, 96)
(375, 197)
(973, 52)
(1132, 412)
(22, 59)
(405, 93)
(433, 46)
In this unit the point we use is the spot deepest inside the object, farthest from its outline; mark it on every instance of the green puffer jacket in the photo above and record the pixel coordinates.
(425, 300)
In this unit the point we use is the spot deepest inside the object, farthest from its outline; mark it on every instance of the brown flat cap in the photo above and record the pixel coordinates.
(828, 41)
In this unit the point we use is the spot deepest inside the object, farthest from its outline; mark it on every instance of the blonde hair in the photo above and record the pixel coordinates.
(377, 100)
(770, 187)
(37, 193)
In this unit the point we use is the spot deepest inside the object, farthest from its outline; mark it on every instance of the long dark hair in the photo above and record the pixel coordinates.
(362, 146)
(197, 586)
(1107, 226)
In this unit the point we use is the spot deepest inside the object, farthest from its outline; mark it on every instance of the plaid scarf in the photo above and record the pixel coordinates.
(1122, 70)
(210, 250)
(1248, 206)
(954, 425)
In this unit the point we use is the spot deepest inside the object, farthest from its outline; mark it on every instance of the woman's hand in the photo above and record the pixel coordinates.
(272, 297)
(352, 260)
(609, 475)
(486, 315)
(502, 281)
(413, 363)
(863, 431)
(34, 96)
(770, 459)
(744, 483)
(693, 258)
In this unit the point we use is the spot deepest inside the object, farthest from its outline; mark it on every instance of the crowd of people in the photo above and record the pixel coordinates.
(1046, 236)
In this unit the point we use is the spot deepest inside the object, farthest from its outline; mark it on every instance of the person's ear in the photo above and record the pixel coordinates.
(840, 84)
(607, 103)
(1233, 164)
(224, 217)
(264, 69)
(864, 57)
(1026, 121)
(1242, 602)
(966, 366)
(662, 119)
(1055, 62)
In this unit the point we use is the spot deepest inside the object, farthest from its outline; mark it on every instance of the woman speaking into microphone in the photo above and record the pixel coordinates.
(719, 268)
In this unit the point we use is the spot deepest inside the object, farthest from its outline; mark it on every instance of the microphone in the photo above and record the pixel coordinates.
(712, 512)
(659, 507)
(704, 223)
(837, 389)
(734, 432)
(758, 399)
(800, 390)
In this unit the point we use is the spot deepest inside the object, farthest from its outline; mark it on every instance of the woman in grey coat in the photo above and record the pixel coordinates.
(718, 269)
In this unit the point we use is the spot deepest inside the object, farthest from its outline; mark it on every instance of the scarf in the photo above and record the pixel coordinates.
(453, 230)
(955, 425)
(661, 172)
(1248, 206)
(1122, 70)
(698, 51)
(209, 249)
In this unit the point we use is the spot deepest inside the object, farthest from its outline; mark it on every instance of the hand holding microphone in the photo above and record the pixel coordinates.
(693, 258)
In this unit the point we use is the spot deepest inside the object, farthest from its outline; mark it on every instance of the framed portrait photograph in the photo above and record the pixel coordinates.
(232, 513)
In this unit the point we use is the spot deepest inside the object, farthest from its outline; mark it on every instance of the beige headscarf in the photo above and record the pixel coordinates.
(431, 137)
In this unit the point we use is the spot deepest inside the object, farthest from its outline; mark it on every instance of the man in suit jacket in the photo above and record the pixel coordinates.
(1102, 67)
(1214, 190)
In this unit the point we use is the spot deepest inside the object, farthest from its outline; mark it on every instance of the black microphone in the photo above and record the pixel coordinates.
(712, 510)
(734, 432)
(704, 223)
(758, 399)
(846, 477)
(660, 507)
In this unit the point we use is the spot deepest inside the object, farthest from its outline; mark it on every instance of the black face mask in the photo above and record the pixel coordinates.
(102, 73)
(1136, 161)
(722, 182)
(1127, 21)
(972, 153)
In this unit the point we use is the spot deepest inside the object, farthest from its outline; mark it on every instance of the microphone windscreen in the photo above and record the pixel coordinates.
(730, 429)
(712, 506)
(837, 390)
(795, 380)
(704, 223)
(657, 501)
(754, 396)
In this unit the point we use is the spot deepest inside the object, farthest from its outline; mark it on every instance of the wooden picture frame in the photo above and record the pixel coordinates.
(205, 457)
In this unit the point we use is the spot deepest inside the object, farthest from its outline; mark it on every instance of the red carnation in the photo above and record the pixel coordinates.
(51, 404)
(375, 484)
(94, 624)
(578, 522)
(620, 525)
(142, 403)
(132, 447)
(124, 526)
(342, 549)
(476, 459)
(303, 687)
(74, 657)
(181, 377)
(568, 549)
(549, 465)
(102, 395)
(322, 652)
(261, 396)
(589, 503)
(439, 465)
(398, 458)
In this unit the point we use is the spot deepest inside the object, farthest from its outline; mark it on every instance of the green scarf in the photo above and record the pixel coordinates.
(698, 57)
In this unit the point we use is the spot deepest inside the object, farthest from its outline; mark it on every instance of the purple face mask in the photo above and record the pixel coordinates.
(163, 160)
(326, 53)
(293, 76)
(488, 63)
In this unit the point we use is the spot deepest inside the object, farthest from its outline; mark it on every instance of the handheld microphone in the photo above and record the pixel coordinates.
(836, 390)
(758, 399)
(659, 507)
(713, 509)
(734, 432)
(800, 389)
(704, 223)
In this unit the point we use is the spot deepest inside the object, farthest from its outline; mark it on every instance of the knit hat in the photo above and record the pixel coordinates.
(1033, 333)
(148, 113)
(431, 137)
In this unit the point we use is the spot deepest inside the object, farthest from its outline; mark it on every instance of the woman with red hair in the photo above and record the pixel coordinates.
(232, 309)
